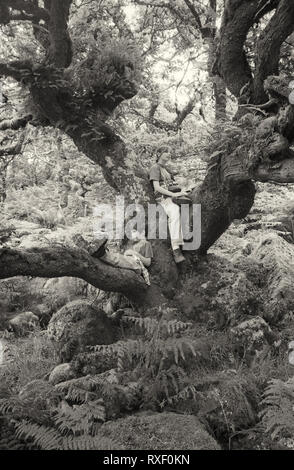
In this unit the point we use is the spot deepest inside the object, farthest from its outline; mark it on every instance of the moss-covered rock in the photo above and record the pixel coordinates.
(61, 373)
(93, 362)
(79, 324)
(58, 292)
(160, 431)
(23, 323)
(220, 292)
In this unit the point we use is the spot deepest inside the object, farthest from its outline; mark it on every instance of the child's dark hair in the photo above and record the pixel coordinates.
(160, 151)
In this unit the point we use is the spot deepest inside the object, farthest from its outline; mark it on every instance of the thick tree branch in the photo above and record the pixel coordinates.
(60, 50)
(265, 8)
(167, 126)
(194, 13)
(232, 64)
(227, 193)
(270, 157)
(179, 14)
(269, 45)
(184, 112)
(279, 172)
(60, 261)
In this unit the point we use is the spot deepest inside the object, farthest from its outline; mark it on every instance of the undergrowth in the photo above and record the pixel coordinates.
(277, 409)
(30, 358)
(163, 366)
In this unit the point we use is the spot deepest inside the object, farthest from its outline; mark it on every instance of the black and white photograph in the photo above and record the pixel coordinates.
(146, 229)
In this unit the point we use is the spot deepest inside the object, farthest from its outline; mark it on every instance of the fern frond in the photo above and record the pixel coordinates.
(80, 419)
(8, 406)
(45, 438)
(150, 325)
(175, 326)
(146, 324)
(177, 347)
(171, 380)
(18, 409)
(186, 393)
(124, 351)
(277, 415)
(78, 395)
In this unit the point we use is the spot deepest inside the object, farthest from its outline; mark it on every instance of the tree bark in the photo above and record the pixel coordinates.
(232, 63)
(60, 49)
(269, 45)
(227, 193)
(219, 87)
(59, 261)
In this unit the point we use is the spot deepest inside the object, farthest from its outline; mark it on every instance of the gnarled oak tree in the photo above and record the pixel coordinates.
(82, 112)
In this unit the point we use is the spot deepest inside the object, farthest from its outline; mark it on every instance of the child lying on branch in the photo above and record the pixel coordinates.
(137, 257)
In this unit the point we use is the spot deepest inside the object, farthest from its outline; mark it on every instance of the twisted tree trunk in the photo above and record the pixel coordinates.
(227, 192)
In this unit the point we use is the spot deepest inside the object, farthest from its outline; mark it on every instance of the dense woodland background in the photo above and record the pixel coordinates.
(90, 356)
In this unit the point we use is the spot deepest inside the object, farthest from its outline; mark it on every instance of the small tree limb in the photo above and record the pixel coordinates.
(25, 7)
(15, 69)
(15, 124)
(13, 149)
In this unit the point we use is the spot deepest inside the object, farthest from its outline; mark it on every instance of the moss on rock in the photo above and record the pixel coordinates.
(79, 324)
(160, 431)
